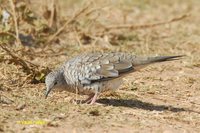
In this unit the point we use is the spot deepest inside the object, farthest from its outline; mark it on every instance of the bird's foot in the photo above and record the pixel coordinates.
(91, 99)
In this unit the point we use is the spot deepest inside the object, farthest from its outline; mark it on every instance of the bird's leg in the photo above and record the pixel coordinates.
(94, 98)
(89, 99)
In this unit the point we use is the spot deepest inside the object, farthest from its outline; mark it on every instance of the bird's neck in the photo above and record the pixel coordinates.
(60, 74)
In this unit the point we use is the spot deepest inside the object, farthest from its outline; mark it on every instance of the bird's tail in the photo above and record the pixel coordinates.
(163, 58)
(150, 60)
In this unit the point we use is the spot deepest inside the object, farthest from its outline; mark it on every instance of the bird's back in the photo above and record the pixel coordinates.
(97, 69)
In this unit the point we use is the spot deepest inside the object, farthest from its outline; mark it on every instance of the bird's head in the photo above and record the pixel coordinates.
(53, 80)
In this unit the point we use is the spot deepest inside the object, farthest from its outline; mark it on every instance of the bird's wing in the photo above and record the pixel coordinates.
(100, 67)
(94, 67)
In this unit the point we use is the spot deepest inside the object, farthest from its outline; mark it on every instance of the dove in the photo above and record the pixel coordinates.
(95, 73)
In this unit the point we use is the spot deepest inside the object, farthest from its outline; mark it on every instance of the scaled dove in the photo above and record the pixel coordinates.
(94, 73)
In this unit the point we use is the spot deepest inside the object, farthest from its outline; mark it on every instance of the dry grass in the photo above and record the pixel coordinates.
(161, 98)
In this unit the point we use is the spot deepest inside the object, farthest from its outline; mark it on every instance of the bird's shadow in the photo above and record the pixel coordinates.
(141, 105)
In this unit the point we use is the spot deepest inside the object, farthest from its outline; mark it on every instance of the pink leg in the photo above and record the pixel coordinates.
(89, 99)
(94, 98)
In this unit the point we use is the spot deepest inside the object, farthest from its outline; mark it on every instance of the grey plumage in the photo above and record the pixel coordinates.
(94, 73)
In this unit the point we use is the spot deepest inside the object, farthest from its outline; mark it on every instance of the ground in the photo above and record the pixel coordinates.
(163, 97)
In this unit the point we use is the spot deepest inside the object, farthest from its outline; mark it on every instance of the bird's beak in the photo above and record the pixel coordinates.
(47, 92)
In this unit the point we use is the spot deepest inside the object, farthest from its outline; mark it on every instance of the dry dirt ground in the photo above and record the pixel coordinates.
(161, 98)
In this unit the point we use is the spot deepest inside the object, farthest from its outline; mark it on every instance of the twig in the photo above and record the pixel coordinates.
(53, 13)
(135, 27)
(15, 21)
(7, 101)
(93, 10)
(68, 22)
(8, 33)
(21, 61)
(77, 38)
(43, 54)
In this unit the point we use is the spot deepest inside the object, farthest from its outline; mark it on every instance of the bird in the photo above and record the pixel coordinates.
(95, 73)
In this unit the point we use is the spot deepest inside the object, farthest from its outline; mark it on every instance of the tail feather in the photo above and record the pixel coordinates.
(163, 58)
(150, 60)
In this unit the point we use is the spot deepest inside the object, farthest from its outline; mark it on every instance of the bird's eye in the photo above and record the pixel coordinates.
(55, 83)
